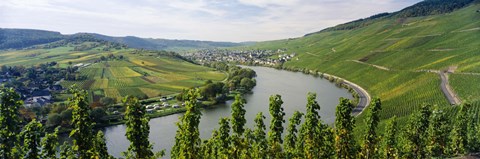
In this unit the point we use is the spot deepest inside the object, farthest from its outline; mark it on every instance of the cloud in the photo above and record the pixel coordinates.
(218, 20)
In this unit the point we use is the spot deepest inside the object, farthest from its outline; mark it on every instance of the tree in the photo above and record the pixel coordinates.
(97, 115)
(291, 137)
(438, 131)
(82, 132)
(310, 132)
(66, 151)
(370, 138)
(389, 140)
(238, 115)
(260, 145)
(101, 146)
(187, 139)
(247, 83)
(223, 138)
(107, 101)
(138, 129)
(9, 105)
(276, 126)
(49, 145)
(31, 139)
(344, 124)
(238, 122)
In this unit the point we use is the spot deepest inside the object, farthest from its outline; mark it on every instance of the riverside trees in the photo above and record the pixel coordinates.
(428, 133)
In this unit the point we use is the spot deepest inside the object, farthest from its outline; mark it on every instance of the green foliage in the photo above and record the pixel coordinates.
(345, 145)
(438, 131)
(414, 135)
(238, 126)
(101, 147)
(82, 132)
(138, 129)
(389, 145)
(370, 138)
(458, 136)
(260, 146)
(31, 139)
(433, 7)
(49, 145)
(66, 151)
(9, 105)
(291, 138)
(311, 131)
(238, 115)
(187, 138)
(223, 139)
(276, 126)
(21, 38)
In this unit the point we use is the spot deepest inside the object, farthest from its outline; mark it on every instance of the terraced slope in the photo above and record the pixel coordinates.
(397, 58)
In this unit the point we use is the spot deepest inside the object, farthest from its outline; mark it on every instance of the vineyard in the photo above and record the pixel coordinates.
(159, 76)
(403, 46)
(466, 86)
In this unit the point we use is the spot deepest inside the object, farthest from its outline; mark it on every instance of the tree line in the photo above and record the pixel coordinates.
(427, 133)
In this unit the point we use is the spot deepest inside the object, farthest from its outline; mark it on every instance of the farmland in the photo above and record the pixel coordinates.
(122, 78)
(142, 74)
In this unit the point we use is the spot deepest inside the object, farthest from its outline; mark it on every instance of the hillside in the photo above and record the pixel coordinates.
(22, 38)
(109, 69)
(398, 58)
(166, 44)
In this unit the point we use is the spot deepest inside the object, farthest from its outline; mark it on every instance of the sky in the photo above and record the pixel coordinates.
(213, 20)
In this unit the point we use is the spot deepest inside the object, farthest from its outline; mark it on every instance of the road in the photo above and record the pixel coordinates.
(447, 90)
(363, 96)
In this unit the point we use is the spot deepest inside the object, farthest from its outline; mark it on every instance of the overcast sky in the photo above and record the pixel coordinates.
(215, 20)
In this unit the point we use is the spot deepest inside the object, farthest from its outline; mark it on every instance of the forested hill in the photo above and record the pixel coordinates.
(165, 44)
(424, 8)
(24, 38)
(21, 38)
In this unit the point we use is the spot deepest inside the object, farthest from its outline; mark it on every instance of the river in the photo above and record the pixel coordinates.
(292, 86)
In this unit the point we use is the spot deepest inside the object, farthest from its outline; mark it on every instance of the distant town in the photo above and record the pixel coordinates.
(249, 57)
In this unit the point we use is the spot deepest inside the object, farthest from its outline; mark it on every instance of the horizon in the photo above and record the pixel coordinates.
(202, 20)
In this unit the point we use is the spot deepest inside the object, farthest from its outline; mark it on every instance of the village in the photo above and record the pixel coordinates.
(35, 84)
(249, 57)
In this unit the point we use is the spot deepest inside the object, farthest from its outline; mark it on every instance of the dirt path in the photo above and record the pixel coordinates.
(376, 66)
(312, 54)
(447, 90)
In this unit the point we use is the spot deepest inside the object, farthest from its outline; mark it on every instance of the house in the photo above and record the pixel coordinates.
(38, 98)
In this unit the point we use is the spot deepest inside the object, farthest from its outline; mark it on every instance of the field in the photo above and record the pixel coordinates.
(163, 76)
(406, 47)
(143, 75)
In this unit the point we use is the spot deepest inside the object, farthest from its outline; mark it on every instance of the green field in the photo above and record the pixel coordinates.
(163, 75)
(140, 74)
(404, 46)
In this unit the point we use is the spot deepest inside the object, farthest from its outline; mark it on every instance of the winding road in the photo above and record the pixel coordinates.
(363, 96)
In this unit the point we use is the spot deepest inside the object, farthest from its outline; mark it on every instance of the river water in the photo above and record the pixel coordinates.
(292, 86)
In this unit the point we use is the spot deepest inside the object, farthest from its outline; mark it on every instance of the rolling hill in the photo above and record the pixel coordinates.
(22, 38)
(398, 56)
